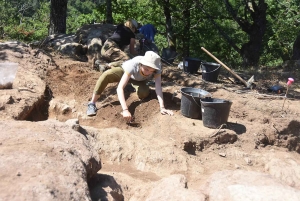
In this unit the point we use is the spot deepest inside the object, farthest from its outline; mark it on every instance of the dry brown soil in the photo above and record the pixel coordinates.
(257, 124)
(256, 116)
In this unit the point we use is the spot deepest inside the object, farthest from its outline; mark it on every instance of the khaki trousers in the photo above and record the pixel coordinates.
(112, 52)
(114, 75)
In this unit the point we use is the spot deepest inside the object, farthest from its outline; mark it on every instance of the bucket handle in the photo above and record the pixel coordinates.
(213, 70)
(208, 95)
(196, 102)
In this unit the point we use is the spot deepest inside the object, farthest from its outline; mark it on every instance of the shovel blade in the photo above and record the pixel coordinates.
(250, 82)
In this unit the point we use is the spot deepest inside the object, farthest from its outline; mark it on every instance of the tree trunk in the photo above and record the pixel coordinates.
(58, 17)
(251, 50)
(296, 49)
(169, 28)
(186, 35)
(109, 18)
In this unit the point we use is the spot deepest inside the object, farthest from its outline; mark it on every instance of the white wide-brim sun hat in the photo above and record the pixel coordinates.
(152, 60)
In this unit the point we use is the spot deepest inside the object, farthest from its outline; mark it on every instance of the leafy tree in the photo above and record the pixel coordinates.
(14, 17)
(38, 20)
(238, 32)
(213, 28)
(6, 17)
(251, 17)
(91, 15)
(166, 6)
(282, 30)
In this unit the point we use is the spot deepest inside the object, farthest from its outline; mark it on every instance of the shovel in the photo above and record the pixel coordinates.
(248, 83)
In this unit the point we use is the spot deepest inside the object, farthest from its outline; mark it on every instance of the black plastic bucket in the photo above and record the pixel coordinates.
(191, 65)
(168, 55)
(210, 71)
(215, 112)
(190, 102)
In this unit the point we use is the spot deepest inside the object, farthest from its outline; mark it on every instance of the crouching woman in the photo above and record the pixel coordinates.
(136, 71)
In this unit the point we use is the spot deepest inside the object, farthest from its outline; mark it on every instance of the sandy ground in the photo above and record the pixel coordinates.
(258, 127)
(256, 116)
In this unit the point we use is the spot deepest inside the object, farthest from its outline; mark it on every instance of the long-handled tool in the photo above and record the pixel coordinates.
(248, 84)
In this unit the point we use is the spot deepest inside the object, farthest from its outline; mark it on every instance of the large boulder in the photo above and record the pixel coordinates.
(174, 188)
(94, 48)
(286, 170)
(28, 90)
(87, 32)
(45, 160)
(86, 43)
(231, 185)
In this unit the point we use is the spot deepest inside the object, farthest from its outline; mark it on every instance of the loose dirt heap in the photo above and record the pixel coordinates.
(163, 157)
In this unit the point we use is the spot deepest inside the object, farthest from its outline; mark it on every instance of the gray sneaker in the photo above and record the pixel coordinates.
(92, 110)
(100, 67)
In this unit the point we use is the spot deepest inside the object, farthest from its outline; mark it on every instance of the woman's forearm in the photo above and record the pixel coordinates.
(121, 97)
(160, 100)
(120, 90)
(159, 92)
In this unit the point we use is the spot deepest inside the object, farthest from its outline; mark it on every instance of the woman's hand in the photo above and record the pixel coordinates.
(120, 91)
(127, 116)
(165, 111)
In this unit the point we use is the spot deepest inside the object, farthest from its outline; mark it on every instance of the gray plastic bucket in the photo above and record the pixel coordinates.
(190, 102)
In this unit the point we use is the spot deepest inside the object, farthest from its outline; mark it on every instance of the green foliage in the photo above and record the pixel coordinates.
(211, 26)
(86, 12)
(38, 21)
(150, 12)
(207, 25)
(21, 24)
(74, 23)
(282, 31)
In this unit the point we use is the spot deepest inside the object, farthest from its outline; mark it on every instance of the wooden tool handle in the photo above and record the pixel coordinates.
(231, 71)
